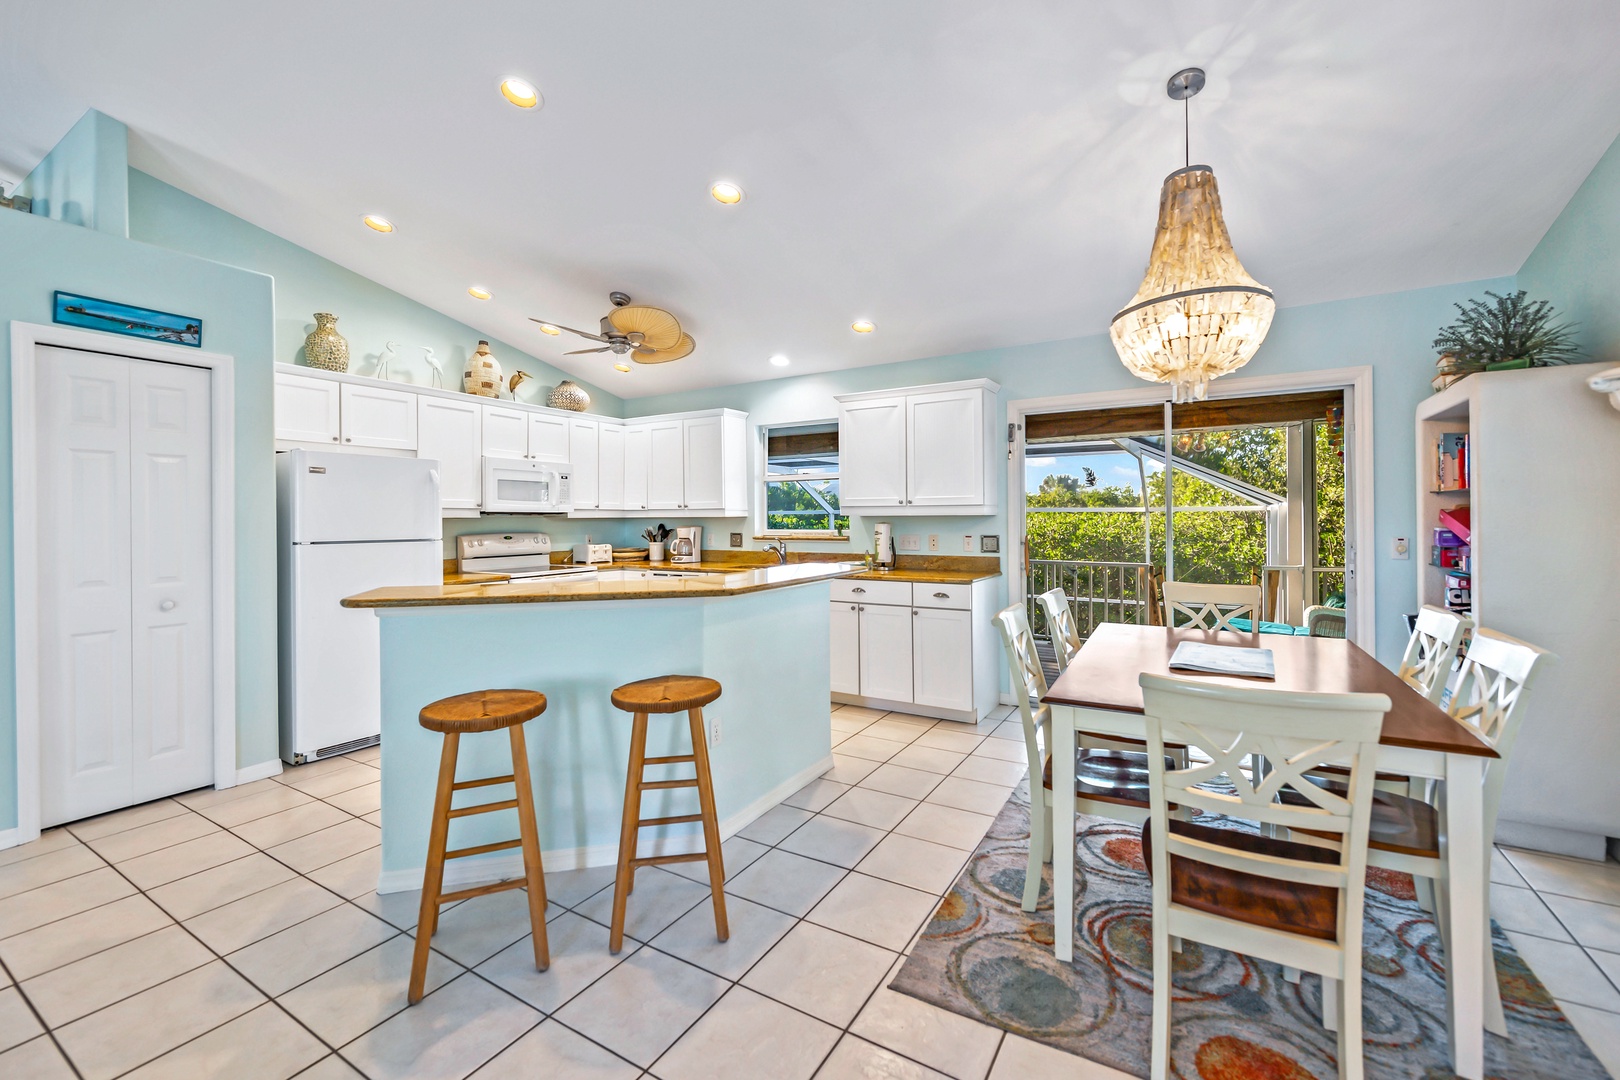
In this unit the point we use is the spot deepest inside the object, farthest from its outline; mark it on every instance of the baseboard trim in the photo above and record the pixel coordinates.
(1555, 841)
(10, 838)
(479, 869)
(261, 771)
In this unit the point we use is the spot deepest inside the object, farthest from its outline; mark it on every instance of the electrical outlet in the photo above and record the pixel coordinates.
(907, 542)
(989, 543)
(736, 539)
(714, 731)
(967, 542)
(933, 541)
(1401, 548)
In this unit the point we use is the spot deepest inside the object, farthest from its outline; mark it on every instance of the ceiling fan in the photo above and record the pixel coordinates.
(648, 335)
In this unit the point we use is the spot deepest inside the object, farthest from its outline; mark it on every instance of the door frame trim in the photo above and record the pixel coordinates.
(26, 339)
(1358, 420)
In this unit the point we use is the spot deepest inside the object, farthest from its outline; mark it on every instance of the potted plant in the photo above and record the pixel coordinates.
(1510, 333)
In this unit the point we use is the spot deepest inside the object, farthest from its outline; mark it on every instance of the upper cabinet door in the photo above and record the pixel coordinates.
(703, 443)
(666, 456)
(610, 467)
(506, 432)
(872, 452)
(584, 455)
(945, 448)
(378, 417)
(307, 409)
(637, 454)
(549, 437)
(450, 432)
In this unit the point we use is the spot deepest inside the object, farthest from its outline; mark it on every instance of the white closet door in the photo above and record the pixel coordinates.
(171, 571)
(86, 725)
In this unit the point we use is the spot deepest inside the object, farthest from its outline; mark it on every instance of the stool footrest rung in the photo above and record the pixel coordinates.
(485, 782)
(646, 784)
(483, 849)
(481, 808)
(677, 760)
(679, 819)
(482, 890)
(662, 860)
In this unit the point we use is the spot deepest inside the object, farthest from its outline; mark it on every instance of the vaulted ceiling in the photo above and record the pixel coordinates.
(965, 174)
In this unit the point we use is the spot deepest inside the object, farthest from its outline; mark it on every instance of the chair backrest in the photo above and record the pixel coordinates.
(1060, 625)
(1210, 607)
(1028, 686)
(1295, 732)
(1432, 650)
(1489, 698)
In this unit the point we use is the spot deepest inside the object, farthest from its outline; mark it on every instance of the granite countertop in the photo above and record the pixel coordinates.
(729, 580)
(923, 576)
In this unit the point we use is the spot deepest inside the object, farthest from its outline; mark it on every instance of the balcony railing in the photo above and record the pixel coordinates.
(1098, 592)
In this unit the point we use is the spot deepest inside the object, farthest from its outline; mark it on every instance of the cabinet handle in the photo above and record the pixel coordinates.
(348, 440)
(914, 612)
(852, 607)
(857, 589)
(861, 608)
(942, 596)
(334, 438)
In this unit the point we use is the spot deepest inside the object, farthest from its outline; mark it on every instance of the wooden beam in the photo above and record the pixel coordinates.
(1261, 410)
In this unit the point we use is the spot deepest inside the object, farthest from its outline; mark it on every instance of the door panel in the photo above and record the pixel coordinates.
(548, 437)
(705, 489)
(846, 648)
(637, 452)
(666, 468)
(942, 658)
(584, 454)
(506, 432)
(451, 433)
(872, 453)
(307, 410)
(886, 652)
(610, 467)
(374, 416)
(945, 448)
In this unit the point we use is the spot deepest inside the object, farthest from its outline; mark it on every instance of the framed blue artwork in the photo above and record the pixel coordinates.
(71, 309)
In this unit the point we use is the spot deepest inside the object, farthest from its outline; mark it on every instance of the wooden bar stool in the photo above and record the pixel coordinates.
(667, 694)
(482, 710)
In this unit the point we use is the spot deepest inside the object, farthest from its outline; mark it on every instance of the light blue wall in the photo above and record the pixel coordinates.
(1577, 264)
(42, 255)
(1390, 333)
(81, 181)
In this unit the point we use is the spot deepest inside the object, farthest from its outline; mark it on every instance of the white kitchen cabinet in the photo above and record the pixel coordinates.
(506, 432)
(637, 458)
(584, 454)
(702, 449)
(378, 417)
(451, 432)
(846, 647)
(666, 466)
(940, 640)
(885, 651)
(550, 437)
(919, 449)
(307, 410)
(610, 467)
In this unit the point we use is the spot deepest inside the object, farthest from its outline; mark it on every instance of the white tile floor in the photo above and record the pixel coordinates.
(238, 934)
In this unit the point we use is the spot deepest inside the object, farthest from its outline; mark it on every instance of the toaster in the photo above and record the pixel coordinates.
(593, 553)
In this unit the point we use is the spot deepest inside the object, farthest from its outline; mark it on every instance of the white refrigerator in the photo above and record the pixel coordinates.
(345, 523)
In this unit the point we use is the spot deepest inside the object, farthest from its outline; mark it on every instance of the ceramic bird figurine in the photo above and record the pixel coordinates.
(389, 355)
(517, 378)
(432, 362)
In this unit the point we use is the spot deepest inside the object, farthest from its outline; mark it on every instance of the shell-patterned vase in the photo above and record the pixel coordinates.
(568, 395)
(325, 348)
(483, 374)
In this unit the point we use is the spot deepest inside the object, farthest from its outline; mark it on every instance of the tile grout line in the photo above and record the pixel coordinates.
(46, 1031)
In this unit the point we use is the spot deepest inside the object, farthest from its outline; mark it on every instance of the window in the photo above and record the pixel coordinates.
(801, 480)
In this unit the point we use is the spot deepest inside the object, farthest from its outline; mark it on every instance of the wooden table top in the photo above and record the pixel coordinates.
(1104, 676)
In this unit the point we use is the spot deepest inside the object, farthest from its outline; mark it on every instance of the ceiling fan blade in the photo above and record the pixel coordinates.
(681, 348)
(570, 329)
(659, 329)
(582, 352)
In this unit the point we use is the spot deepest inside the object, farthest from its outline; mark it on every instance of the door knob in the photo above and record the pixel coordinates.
(167, 605)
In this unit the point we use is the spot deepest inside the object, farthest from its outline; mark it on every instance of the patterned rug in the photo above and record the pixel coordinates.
(1234, 1017)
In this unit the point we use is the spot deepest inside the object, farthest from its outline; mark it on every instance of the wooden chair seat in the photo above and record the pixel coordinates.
(482, 710)
(1400, 824)
(1114, 776)
(1381, 777)
(1311, 910)
(666, 694)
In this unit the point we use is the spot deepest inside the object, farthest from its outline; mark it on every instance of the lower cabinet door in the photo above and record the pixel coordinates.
(846, 648)
(886, 652)
(942, 658)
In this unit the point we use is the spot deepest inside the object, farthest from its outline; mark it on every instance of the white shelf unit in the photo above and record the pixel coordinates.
(1545, 549)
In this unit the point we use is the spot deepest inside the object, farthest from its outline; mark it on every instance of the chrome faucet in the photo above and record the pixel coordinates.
(780, 550)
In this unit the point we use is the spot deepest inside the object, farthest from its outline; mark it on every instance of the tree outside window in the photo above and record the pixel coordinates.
(801, 481)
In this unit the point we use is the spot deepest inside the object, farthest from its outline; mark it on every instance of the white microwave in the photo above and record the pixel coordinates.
(515, 486)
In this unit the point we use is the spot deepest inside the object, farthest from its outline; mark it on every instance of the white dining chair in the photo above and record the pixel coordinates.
(1060, 626)
(1431, 652)
(1210, 607)
(1108, 782)
(1289, 902)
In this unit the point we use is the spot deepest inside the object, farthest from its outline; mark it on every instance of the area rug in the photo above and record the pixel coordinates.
(1234, 1017)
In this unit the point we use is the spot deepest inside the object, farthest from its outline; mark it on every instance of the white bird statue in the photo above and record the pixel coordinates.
(388, 357)
(1607, 382)
(432, 362)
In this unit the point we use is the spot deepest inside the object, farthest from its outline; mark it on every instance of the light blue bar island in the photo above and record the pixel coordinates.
(761, 632)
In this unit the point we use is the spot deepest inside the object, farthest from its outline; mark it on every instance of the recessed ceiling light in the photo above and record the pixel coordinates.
(622, 367)
(863, 326)
(381, 224)
(726, 192)
(520, 92)
(779, 360)
(547, 328)
(478, 292)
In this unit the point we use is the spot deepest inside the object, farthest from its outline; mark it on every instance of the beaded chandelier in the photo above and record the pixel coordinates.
(1198, 314)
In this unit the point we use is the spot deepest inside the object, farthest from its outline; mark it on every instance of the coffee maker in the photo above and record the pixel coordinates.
(883, 546)
(688, 545)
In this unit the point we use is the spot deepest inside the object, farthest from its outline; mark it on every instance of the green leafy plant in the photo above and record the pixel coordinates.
(1510, 329)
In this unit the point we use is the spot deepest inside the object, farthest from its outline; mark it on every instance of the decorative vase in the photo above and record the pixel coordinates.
(325, 348)
(568, 395)
(483, 374)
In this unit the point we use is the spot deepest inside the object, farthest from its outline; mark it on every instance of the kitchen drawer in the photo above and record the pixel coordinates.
(941, 596)
(872, 592)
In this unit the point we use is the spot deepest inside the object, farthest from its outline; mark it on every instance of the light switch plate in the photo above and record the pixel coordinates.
(1400, 548)
(908, 542)
(736, 539)
(967, 542)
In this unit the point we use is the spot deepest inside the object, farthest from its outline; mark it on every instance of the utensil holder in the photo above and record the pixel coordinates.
(655, 552)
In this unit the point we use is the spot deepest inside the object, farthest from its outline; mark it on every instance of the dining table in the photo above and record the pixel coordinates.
(1099, 693)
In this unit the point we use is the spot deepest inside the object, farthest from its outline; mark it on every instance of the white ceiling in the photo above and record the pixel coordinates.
(966, 174)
